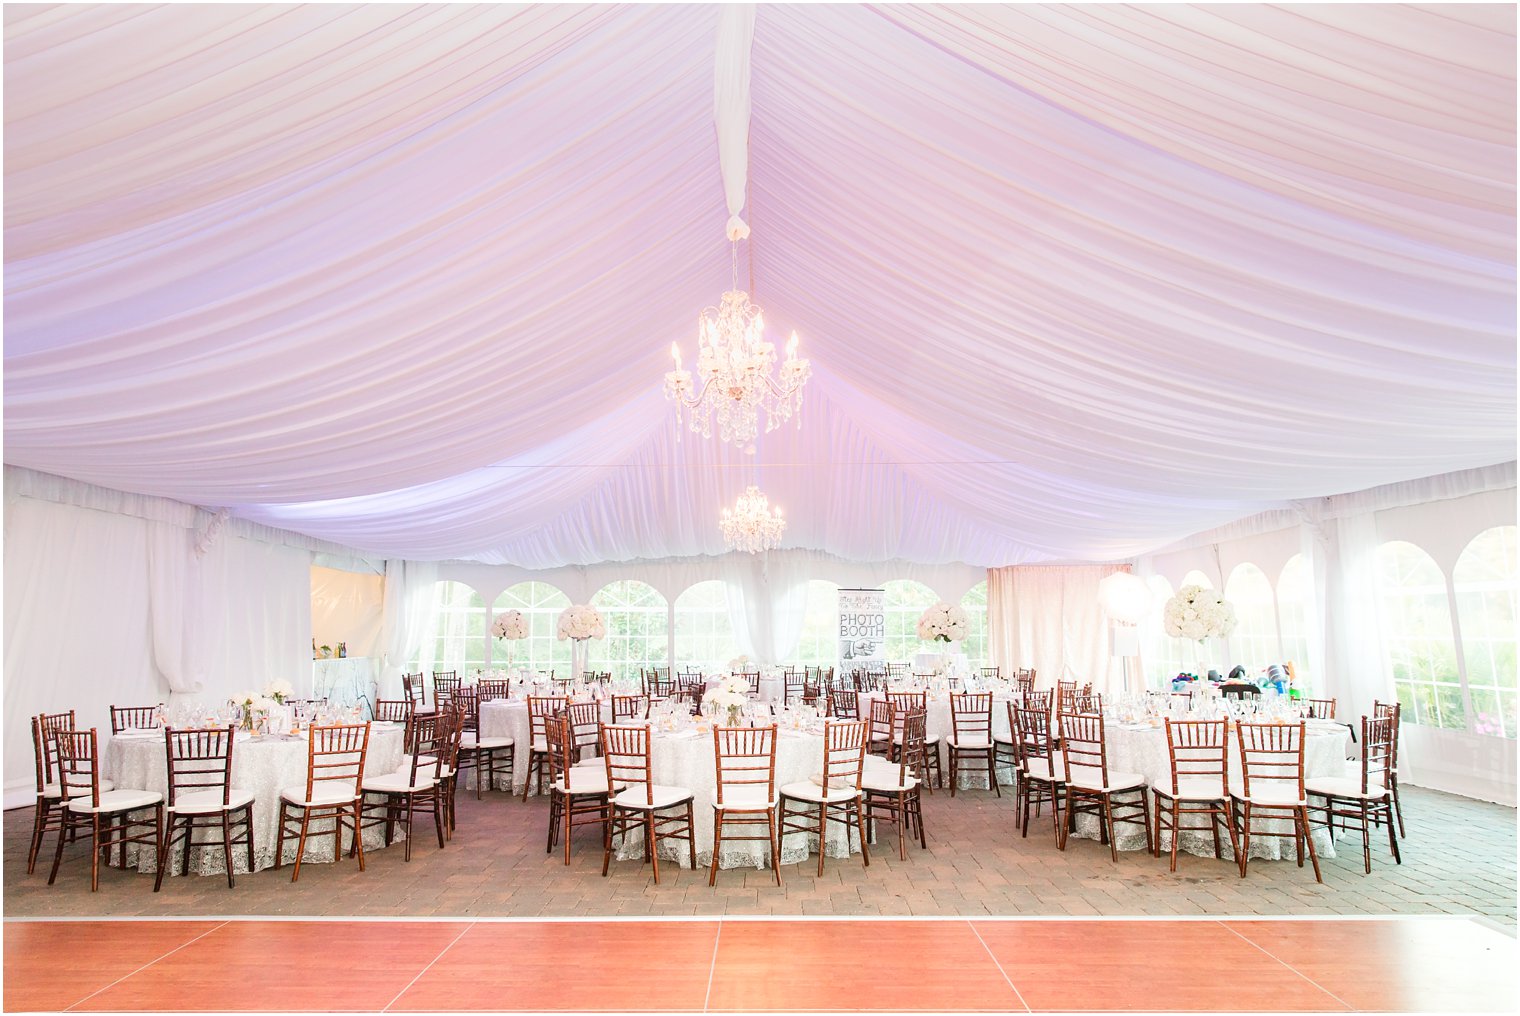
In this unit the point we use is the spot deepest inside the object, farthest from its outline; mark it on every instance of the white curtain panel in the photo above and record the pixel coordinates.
(183, 616)
(411, 605)
(1049, 618)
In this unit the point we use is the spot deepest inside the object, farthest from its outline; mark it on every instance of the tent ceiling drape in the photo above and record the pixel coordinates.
(1075, 281)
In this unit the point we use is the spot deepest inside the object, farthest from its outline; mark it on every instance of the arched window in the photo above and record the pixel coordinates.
(541, 605)
(704, 634)
(819, 645)
(1484, 581)
(1295, 606)
(638, 626)
(458, 639)
(1253, 643)
(904, 603)
(1417, 636)
(974, 603)
(1161, 653)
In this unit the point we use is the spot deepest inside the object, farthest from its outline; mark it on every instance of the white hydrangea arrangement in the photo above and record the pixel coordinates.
(730, 695)
(943, 622)
(579, 621)
(1198, 613)
(511, 625)
(739, 663)
(279, 691)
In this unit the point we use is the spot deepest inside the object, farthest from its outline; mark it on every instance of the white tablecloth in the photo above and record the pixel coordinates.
(263, 765)
(509, 718)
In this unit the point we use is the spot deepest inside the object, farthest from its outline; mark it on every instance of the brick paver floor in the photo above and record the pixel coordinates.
(1459, 858)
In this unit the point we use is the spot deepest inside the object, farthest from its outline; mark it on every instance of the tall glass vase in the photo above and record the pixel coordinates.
(577, 658)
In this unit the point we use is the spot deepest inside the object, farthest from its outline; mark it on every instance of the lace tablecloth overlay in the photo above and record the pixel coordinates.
(263, 765)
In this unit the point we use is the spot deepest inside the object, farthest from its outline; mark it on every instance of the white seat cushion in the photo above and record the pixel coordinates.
(55, 791)
(539, 744)
(594, 760)
(885, 779)
(425, 765)
(751, 798)
(810, 791)
(114, 801)
(1274, 796)
(1087, 779)
(398, 782)
(1039, 769)
(1195, 788)
(970, 742)
(839, 782)
(584, 780)
(664, 797)
(1341, 786)
(474, 742)
(324, 794)
(209, 802)
(897, 738)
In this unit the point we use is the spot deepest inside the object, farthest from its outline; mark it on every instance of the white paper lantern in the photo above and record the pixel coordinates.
(1124, 597)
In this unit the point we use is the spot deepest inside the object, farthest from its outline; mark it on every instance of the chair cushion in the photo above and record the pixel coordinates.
(55, 790)
(838, 782)
(475, 742)
(1341, 786)
(664, 797)
(1039, 769)
(324, 794)
(744, 798)
(209, 802)
(1086, 779)
(1273, 796)
(398, 782)
(592, 760)
(584, 780)
(970, 742)
(1195, 788)
(884, 779)
(810, 791)
(114, 801)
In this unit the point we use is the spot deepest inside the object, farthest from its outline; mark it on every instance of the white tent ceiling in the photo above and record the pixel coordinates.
(1075, 281)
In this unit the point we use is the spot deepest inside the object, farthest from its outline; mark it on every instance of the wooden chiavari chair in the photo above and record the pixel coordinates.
(881, 729)
(661, 811)
(1091, 788)
(1392, 709)
(844, 704)
(1025, 681)
(1043, 700)
(629, 708)
(136, 718)
(487, 756)
(446, 684)
(394, 798)
(658, 687)
(413, 688)
(1006, 753)
(814, 681)
(334, 766)
(691, 688)
(48, 816)
(1321, 708)
(578, 795)
(85, 804)
(1066, 691)
(904, 702)
(896, 672)
(491, 689)
(1272, 784)
(745, 795)
(833, 795)
(753, 677)
(991, 672)
(891, 789)
(585, 718)
(1199, 783)
(971, 737)
(1042, 768)
(452, 727)
(1088, 703)
(1367, 792)
(540, 708)
(393, 710)
(201, 795)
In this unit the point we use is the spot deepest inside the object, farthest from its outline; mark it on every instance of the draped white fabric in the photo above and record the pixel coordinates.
(180, 612)
(411, 603)
(1076, 281)
(767, 604)
(1049, 618)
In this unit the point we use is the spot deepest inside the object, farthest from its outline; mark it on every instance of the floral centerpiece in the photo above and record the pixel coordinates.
(248, 705)
(580, 622)
(943, 622)
(738, 663)
(1198, 613)
(510, 627)
(730, 694)
(279, 691)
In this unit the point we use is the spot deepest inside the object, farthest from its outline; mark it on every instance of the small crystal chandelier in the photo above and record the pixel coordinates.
(734, 364)
(752, 524)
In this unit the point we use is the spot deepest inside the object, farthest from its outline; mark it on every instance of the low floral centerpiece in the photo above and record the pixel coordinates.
(1198, 613)
(943, 622)
(249, 707)
(729, 696)
(279, 691)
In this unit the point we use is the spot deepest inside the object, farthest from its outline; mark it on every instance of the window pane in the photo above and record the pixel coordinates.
(541, 605)
(637, 629)
(704, 635)
(974, 603)
(459, 631)
(1253, 643)
(904, 602)
(1485, 580)
(1417, 635)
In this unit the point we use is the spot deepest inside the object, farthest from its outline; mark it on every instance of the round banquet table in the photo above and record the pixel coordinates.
(509, 718)
(265, 765)
(1141, 748)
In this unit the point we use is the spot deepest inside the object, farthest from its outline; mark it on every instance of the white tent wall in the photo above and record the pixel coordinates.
(1340, 536)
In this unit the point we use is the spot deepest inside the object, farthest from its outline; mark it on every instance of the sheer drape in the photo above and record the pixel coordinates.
(411, 604)
(1049, 618)
(182, 614)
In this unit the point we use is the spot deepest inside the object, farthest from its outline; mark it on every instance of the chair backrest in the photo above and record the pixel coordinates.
(450, 732)
(136, 718)
(629, 707)
(45, 730)
(657, 685)
(585, 718)
(1271, 755)
(547, 675)
(1025, 681)
(1084, 703)
(1379, 734)
(1041, 700)
(445, 684)
(905, 701)
(79, 765)
(1085, 749)
(913, 752)
(971, 716)
(625, 753)
(844, 704)
(540, 708)
(199, 760)
(881, 719)
(1031, 730)
(844, 755)
(868, 680)
(897, 670)
(1066, 686)
(1321, 708)
(753, 677)
(427, 739)
(1379, 709)
(335, 755)
(1199, 750)
(413, 688)
(489, 689)
(992, 672)
(467, 703)
(393, 710)
(745, 758)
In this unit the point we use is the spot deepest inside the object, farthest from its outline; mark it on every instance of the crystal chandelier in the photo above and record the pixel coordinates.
(752, 524)
(734, 366)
